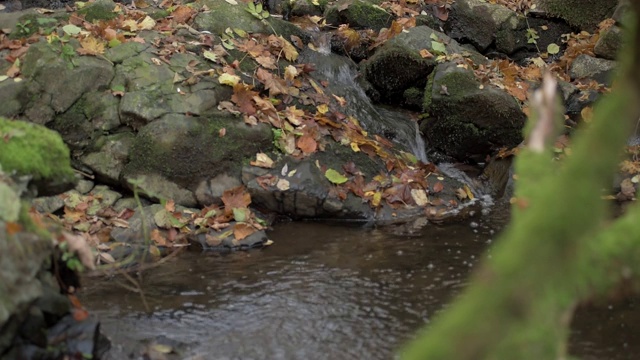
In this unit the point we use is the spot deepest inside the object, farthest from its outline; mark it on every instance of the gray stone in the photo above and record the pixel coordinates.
(111, 156)
(210, 191)
(129, 203)
(14, 97)
(609, 43)
(51, 72)
(48, 204)
(84, 186)
(585, 66)
(107, 196)
(158, 188)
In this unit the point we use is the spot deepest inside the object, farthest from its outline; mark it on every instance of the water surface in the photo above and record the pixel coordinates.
(322, 291)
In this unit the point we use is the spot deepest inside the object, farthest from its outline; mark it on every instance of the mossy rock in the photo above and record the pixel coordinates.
(99, 10)
(188, 150)
(585, 14)
(34, 150)
(464, 120)
(358, 14)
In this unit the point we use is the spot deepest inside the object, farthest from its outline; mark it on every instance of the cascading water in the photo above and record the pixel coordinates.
(395, 125)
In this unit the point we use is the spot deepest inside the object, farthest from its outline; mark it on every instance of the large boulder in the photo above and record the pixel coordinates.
(187, 150)
(466, 119)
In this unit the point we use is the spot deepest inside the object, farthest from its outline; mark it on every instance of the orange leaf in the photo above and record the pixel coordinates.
(307, 144)
(12, 228)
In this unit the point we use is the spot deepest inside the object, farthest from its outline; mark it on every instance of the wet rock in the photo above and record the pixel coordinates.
(185, 151)
(110, 156)
(514, 40)
(80, 338)
(397, 65)
(465, 119)
(222, 240)
(359, 14)
(609, 43)
(129, 203)
(622, 11)
(585, 66)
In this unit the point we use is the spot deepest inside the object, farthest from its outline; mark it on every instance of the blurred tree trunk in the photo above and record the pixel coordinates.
(561, 246)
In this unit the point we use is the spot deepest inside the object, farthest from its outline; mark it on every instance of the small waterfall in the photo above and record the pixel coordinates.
(395, 125)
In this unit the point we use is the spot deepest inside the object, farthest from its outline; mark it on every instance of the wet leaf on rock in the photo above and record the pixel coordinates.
(335, 177)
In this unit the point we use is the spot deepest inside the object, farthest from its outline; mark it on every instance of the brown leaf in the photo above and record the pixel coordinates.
(237, 197)
(437, 187)
(242, 230)
(158, 238)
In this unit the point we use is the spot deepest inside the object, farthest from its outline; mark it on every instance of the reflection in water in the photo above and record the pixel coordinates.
(320, 292)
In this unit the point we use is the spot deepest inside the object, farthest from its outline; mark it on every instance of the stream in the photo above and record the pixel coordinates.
(327, 290)
(321, 291)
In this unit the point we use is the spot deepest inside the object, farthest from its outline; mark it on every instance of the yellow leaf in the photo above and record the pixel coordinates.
(290, 52)
(290, 72)
(147, 23)
(262, 160)
(355, 147)
(228, 79)
(376, 199)
(322, 108)
(90, 46)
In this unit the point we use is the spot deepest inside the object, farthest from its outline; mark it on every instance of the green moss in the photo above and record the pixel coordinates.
(30, 149)
(426, 102)
(30, 24)
(364, 15)
(99, 10)
(582, 13)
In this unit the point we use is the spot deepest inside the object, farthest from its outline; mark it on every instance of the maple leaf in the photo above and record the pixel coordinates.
(252, 47)
(294, 115)
(274, 84)
(90, 46)
(242, 97)
(266, 61)
(182, 14)
(235, 198)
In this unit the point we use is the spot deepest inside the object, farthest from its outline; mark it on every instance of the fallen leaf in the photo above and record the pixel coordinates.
(335, 177)
(437, 187)
(283, 184)
(263, 161)
(242, 230)
(307, 144)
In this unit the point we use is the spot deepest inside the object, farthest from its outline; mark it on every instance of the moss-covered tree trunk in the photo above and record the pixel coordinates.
(559, 248)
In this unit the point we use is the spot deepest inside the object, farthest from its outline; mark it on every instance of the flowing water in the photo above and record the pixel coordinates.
(322, 291)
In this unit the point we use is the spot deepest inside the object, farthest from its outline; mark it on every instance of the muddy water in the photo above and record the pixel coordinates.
(322, 291)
